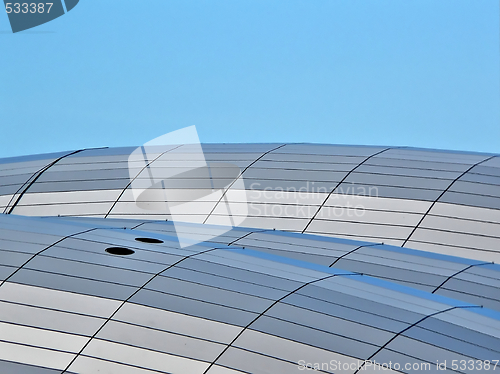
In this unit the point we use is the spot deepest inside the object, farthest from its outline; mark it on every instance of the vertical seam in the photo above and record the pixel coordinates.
(352, 251)
(21, 187)
(265, 311)
(126, 300)
(38, 174)
(43, 250)
(129, 183)
(441, 195)
(409, 327)
(459, 272)
(241, 174)
(247, 234)
(338, 184)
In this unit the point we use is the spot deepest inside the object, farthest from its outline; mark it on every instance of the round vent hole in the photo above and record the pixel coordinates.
(149, 240)
(120, 251)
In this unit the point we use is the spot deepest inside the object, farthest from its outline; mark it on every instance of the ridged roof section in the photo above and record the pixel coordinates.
(438, 201)
(68, 306)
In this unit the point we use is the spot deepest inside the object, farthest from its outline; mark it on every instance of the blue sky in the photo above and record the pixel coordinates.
(420, 73)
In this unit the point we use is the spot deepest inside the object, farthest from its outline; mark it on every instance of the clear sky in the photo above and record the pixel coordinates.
(422, 73)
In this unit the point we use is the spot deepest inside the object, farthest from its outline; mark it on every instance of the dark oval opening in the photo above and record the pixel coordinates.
(149, 240)
(120, 251)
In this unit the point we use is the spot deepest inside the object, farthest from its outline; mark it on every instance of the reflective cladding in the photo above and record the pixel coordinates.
(327, 149)
(290, 180)
(492, 162)
(199, 303)
(33, 159)
(316, 159)
(436, 155)
(253, 299)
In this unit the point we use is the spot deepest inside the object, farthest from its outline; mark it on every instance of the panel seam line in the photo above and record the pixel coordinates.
(352, 251)
(341, 181)
(441, 195)
(459, 272)
(38, 174)
(139, 173)
(240, 175)
(43, 250)
(409, 327)
(266, 310)
(127, 300)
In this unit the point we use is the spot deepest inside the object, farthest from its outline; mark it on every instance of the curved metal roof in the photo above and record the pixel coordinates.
(254, 299)
(437, 201)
